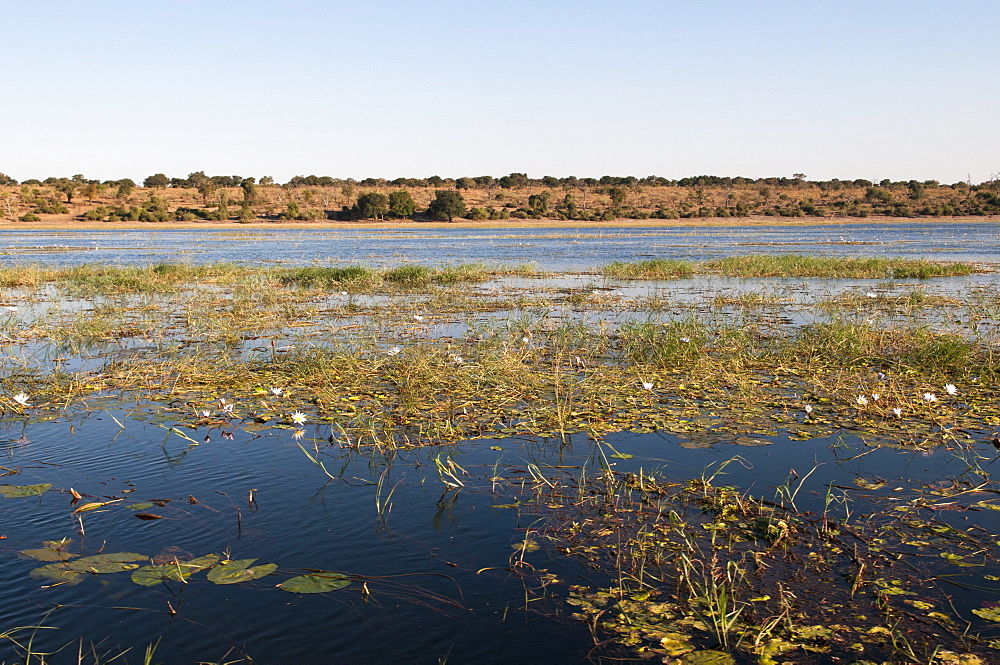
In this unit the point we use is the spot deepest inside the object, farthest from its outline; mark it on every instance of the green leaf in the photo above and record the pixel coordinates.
(52, 551)
(106, 563)
(176, 571)
(139, 506)
(991, 614)
(238, 570)
(59, 573)
(315, 583)
(17, 491)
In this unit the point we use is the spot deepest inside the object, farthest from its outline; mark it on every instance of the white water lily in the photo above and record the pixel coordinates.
(950, 389)
(647, 386)
(298, 434)
(418, 318)
(343, 293)
(205, 413)
(21, 399)
(393, 350)
(876, 397)
(809, 409)
(455, 358)
(685, 340)
(896, 411)
(298, 417)
(872, 294)
(276, 392)
(930, 397)
(525, 340)
(861, 400)
(11, 308)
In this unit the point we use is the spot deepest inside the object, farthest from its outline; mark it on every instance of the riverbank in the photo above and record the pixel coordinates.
(65, 222)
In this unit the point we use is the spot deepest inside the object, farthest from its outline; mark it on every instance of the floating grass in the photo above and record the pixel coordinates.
(791, 265)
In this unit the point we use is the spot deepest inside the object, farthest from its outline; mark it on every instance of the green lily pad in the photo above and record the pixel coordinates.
(52, 551)
(990, 614)
(17, 491)
(708, 657)
(177, 571)
(866, 484)
(59, 573)
(238, 570)
(145, 505)
(115, 562)
(315, 583)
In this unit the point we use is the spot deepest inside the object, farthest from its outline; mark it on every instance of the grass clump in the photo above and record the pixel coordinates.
(317, 277)
(798, 265)
(651, 269)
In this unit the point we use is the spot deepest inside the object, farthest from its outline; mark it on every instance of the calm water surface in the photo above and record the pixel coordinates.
(554, 249)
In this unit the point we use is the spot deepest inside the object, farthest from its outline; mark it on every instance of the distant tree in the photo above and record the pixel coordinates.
(465, 183)
(372, 205)
(916, 190)
(266, 181)
(550, 181)
(156, 180)
(67, 187)
(799, 176)
(446, 205)
(249, 191)
(618, 195)
(401, 204)
(435, 181)
(514, 180)
(538, 204)
(7, 181)
(207, 190)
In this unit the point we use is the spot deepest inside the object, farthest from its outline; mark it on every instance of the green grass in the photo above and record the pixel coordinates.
(789, 265)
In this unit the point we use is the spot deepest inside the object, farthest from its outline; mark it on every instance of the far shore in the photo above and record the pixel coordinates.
(66, 222)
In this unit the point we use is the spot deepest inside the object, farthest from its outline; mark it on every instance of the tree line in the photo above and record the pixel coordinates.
(233, 197)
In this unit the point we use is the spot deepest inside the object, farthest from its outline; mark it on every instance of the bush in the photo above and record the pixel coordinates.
(30, 217)
(478, 214)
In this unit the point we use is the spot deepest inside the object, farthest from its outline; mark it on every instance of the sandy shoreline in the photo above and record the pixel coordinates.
(65, 222)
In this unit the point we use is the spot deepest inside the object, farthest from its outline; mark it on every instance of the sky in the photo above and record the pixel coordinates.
(879, 89)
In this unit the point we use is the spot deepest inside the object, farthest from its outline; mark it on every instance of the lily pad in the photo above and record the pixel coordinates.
(239, 570)
(315, 583)
(708, 657)
(115, 562)
(145, 505)
(17, 491)
(176, 571)
(52, 551)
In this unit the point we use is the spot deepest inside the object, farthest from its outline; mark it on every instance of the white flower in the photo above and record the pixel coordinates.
(930, 397)
(596, 292)
(393, 351)
(950, 389)
(525, 340)
(809, 409)
(21, 399)
(205, 413)
(875, 397)
(276, 392)
(228, 408)
(685, 339)
(298, 434)
(898, 412)
(11, 308)
(861, 400)
(647, 386)
(343, 293)
(298, 417)
(418, 318)
(872, 294)
(455, 358)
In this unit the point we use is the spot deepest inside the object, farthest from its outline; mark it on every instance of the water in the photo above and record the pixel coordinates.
(557, 249)
(434, 574)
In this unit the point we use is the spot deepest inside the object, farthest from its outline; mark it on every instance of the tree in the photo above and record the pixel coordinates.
(372, 205)
(157, 180)
(249, 191)
(447, 205)
(7, 181)
(401, 204)
(618, 195)
(514, 180)
(538, 204)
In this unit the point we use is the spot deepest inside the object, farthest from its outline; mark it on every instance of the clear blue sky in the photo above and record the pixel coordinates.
(126, 88)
